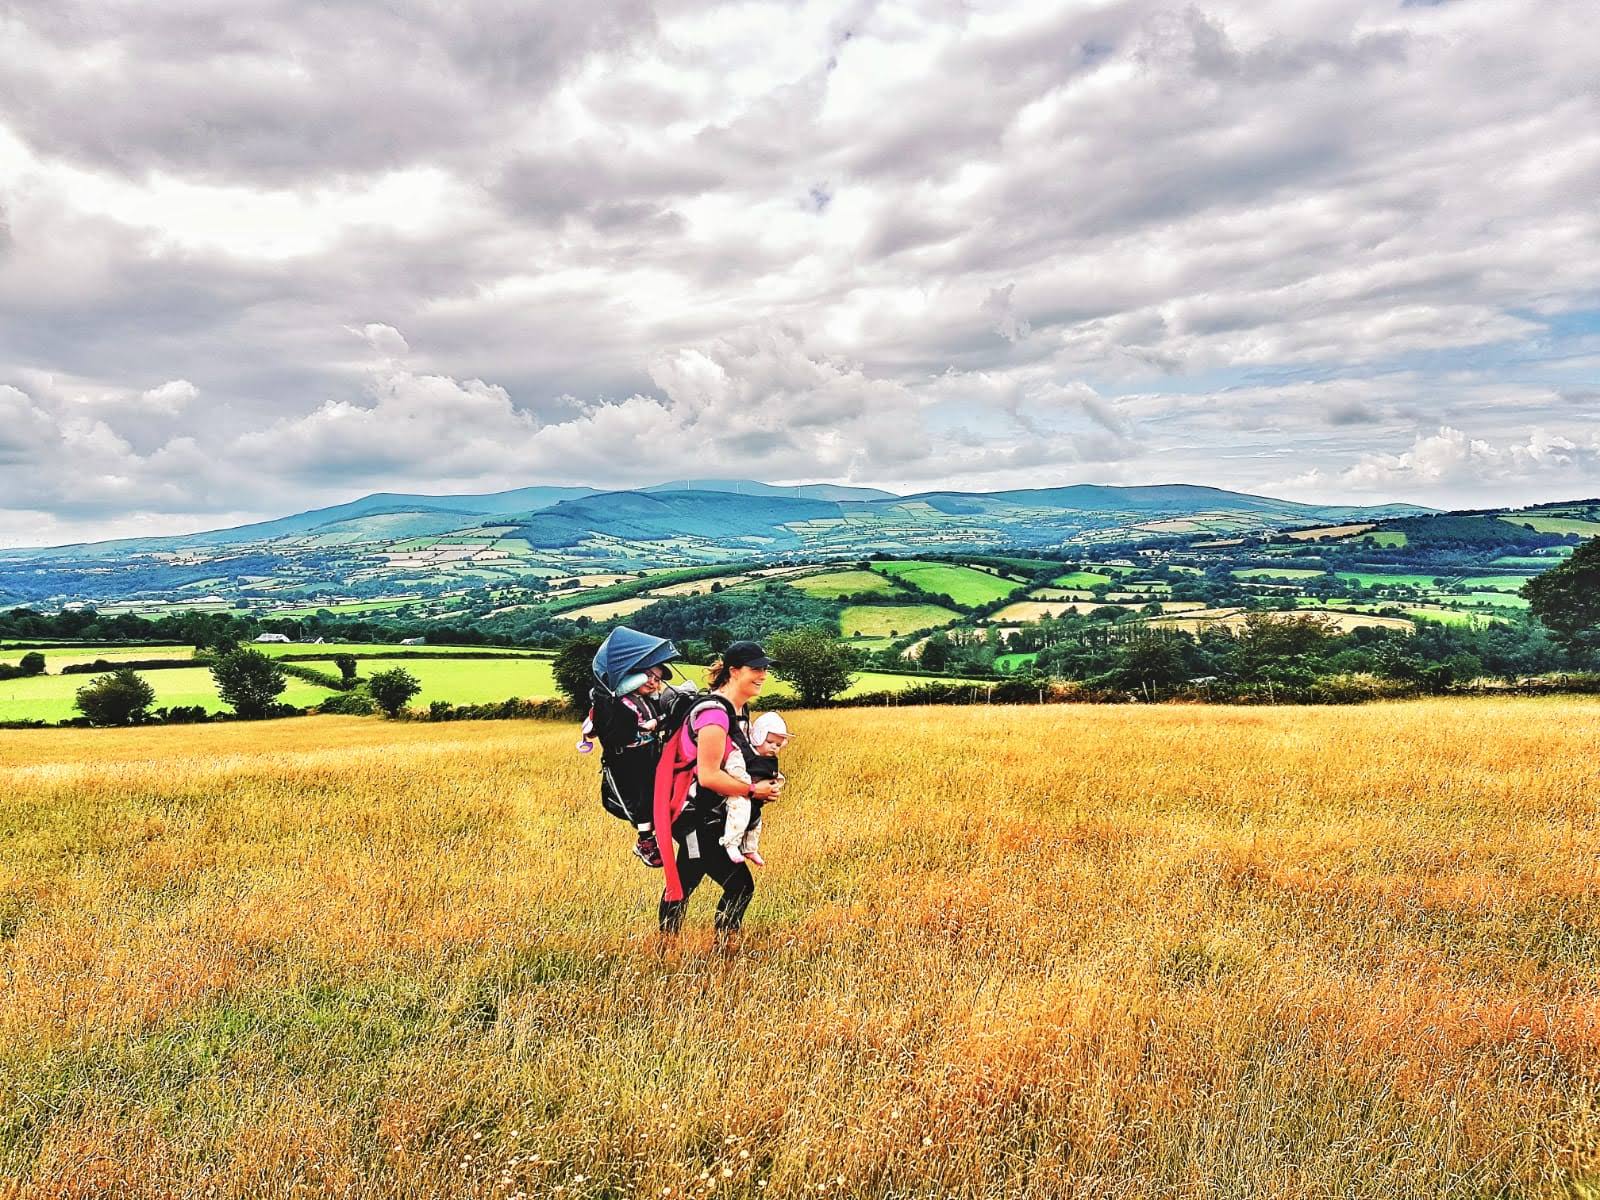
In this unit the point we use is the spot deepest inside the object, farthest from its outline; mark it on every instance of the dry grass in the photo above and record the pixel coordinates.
(1333, 532)
(1062, 952)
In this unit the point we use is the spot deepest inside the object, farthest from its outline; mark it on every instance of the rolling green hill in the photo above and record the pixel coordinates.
(440, 547)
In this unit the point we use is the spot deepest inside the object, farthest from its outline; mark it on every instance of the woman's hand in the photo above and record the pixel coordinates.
(766, 789)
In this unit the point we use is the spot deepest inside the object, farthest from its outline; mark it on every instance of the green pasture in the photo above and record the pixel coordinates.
(1494, 583)
(1080, 579)
(1276, 573)
(359, 649)
(1449, 616)
(834, 584)
(49, 697)
(871, 644)
(1488, 599)
(485, 682)
(56, 657)
(471, 680)
(1388, 539)
(1557, 524)
(1537, 562)
(893, 620)
(1375, 579)
(1013, 662)
(967, 586)
(349, 609)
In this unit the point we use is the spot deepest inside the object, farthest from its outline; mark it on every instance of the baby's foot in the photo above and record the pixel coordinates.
(755, 860)
(733, 853)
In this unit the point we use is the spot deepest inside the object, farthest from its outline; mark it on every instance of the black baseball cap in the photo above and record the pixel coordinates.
(746, 654)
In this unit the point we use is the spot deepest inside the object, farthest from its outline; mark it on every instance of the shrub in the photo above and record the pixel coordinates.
(1358, 689)
(349, 704)
(30, 664)
(182, 714)
(312, 675)
(101, 665)
(513, 709)
(120, 698)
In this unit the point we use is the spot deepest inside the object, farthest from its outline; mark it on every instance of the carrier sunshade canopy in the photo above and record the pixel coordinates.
(627, 651)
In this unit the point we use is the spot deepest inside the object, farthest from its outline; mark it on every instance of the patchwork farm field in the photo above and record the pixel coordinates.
(893, 620)
(455, 678)
(967, 586)
(1270, 952)
(833, 584)
(1277, 573)
(385, 649)
(56, 657)
(1080, 579)
(50, 697)
(471, 680)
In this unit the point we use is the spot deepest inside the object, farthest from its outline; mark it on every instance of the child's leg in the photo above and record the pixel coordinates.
(750, 844)
(733, 829)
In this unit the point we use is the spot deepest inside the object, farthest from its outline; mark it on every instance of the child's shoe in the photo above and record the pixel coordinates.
(647, 851)
(733, 853)
(754, 859)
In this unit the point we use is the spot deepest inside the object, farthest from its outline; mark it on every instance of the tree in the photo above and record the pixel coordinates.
(935, 653)
(1150, 663)
(249, 681)
(120, 698)
(32, 663)
(393, 689)
(1567, 598)
(815, 661)
(347, 669)
(574, 670)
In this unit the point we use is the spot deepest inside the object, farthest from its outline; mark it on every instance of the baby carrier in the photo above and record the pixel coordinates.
(625, 727)
(626, 723)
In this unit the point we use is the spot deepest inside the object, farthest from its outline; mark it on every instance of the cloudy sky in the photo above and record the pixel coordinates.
(257, 258)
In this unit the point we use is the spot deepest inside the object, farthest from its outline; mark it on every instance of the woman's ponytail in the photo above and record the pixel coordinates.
(718, 673)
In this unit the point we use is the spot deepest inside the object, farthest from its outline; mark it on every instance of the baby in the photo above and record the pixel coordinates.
(741, 833)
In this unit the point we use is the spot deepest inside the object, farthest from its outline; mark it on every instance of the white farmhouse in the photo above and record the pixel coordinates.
(272, 637)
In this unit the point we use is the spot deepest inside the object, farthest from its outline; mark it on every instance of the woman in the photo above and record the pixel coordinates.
(736, 678)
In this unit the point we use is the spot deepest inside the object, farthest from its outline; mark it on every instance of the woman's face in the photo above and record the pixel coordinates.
(749, 680)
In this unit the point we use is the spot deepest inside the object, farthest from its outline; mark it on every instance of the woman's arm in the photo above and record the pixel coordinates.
(712, 749)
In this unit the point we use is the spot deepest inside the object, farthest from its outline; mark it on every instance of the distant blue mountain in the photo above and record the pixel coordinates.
(745, 511)
(749, 487)
(663, 515)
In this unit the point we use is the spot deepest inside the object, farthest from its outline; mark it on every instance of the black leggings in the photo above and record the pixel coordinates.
(738, 885)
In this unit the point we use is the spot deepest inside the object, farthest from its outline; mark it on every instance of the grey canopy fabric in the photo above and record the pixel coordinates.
(626, 651)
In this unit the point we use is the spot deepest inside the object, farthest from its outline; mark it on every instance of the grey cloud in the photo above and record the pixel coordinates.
(272, 91)
(1352, 412)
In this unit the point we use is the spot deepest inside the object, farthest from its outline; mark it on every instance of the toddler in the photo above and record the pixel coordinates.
(742, 830)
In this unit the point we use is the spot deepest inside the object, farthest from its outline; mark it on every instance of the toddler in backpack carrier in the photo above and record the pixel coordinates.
(625, 724)
(742, 829)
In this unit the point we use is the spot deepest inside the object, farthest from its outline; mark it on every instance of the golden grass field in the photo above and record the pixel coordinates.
(1065, 952)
